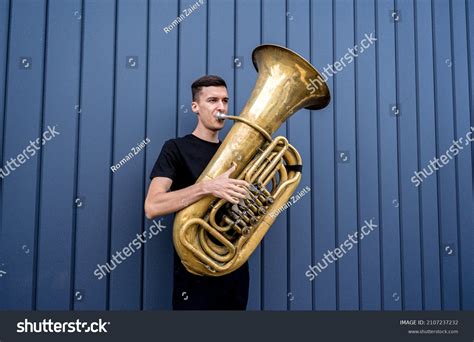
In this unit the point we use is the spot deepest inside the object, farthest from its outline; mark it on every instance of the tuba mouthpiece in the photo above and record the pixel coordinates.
(220, 116)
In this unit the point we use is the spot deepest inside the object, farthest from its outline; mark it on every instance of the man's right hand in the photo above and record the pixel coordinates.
(227, 188)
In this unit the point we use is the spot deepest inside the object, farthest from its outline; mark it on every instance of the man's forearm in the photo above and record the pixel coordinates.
(168, 202)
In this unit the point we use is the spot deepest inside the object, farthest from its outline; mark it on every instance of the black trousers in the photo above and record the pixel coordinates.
(228, 292)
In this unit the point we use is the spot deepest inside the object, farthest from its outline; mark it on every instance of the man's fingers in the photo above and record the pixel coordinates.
(236, 194)
(231, 199)
(240, 190)
(231, 169)
(240, 182)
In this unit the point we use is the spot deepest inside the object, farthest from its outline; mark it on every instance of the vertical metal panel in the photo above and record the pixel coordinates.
(367, 167)
(426, 150)
(220, 50)
(193, 47)
(274, 267)
(129, 117)
(470, 33)
(56, 217)
(447, 202)
(299, 135)
(247, 36)
(346, 188)
(387, 157)
(408, 157)
(4, 33)
(22, 123)
(323, 153)
(464, 169)
(94, 155)
(161, 126)
(468, 301)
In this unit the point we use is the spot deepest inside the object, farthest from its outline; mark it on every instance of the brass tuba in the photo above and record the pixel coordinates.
(213, 236)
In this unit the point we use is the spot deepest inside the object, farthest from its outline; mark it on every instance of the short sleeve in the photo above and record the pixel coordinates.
(167, 163)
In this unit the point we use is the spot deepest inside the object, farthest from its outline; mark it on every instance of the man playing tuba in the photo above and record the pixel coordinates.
(173, 187)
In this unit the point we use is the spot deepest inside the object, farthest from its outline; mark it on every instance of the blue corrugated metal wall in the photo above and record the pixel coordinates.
(108, 76)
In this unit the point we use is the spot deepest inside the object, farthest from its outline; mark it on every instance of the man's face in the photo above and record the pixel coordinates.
(211, 100)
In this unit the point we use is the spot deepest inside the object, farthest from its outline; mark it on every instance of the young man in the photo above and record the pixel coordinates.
(173, 187)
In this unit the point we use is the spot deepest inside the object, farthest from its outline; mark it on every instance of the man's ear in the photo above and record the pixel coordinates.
(195, 107)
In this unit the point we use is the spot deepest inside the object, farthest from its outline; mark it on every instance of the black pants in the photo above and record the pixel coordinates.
(228, 292)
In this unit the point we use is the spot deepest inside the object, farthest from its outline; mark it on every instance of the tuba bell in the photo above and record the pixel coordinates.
(214, 237)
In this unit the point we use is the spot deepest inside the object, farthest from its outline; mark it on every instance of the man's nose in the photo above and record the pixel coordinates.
(221, 105)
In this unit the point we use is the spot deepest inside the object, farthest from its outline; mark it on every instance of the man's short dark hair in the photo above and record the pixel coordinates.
(206, 81)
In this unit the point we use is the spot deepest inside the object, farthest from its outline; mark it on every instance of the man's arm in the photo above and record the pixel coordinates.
(159, 201)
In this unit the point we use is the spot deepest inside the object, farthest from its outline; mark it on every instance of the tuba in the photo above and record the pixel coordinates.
(214, 237)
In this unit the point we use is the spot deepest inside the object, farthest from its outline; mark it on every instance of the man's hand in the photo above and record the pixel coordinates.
(227, 188)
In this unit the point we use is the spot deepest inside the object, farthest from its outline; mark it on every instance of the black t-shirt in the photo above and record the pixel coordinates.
(183, 160)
